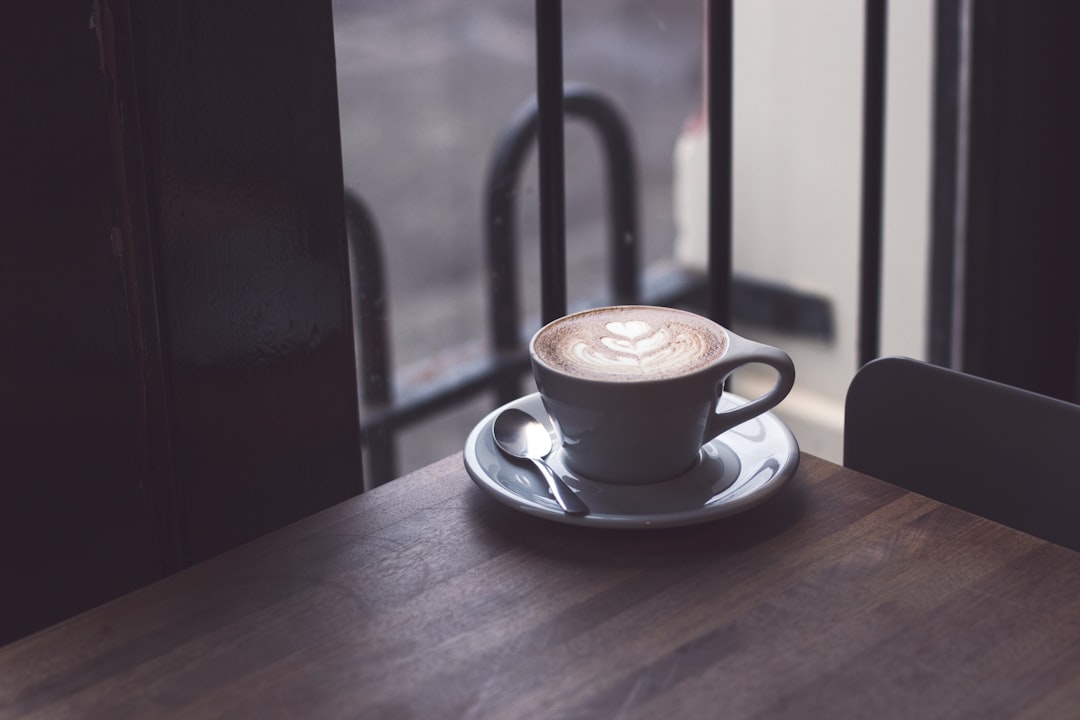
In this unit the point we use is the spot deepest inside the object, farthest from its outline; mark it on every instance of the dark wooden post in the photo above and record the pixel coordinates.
(177, 370)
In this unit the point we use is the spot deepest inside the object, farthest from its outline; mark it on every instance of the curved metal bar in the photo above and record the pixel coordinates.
(371, 315)
(501, 229)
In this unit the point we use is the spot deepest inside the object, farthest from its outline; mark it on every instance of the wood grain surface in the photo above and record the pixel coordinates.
(842, 597)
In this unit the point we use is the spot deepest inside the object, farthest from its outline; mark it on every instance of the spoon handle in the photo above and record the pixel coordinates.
(567, 498)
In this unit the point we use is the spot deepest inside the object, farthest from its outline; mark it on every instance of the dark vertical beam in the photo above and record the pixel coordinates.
(243, 189)
(1021, 306)
(873, 163)
(142, 273)
(950, 61)
(549, 85)
(77, 499)
(719, 102)
(178, 376)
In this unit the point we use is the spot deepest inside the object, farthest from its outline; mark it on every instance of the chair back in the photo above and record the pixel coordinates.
(994, 450)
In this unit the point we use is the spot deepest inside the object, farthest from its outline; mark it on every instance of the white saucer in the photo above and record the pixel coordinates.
(738, 470)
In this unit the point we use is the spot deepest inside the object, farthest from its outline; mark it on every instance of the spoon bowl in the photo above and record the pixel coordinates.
(520, 435)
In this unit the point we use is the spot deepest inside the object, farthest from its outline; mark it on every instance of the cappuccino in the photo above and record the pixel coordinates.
(630, 343)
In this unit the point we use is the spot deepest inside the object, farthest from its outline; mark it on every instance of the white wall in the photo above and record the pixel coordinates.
(908, 165)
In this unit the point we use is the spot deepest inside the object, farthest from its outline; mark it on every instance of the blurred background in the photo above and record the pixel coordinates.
(426, 88)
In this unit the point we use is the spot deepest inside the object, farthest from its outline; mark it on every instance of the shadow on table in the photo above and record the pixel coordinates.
(631, 548)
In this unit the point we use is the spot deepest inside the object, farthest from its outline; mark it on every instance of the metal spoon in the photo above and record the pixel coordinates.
(520, 435)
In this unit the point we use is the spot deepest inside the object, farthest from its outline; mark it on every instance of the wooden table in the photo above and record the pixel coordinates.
(842, 597)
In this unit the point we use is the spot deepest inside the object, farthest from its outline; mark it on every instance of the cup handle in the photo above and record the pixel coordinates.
(743, 352)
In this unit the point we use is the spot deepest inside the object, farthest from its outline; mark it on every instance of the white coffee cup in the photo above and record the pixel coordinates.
(633, 389)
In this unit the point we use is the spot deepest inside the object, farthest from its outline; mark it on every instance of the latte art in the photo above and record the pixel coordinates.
(630, 343)
(641, 349)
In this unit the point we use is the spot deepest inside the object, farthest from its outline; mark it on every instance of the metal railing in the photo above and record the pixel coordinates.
(387, 406)
(502, 191)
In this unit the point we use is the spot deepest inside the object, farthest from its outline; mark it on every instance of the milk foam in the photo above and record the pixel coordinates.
(630, 343)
